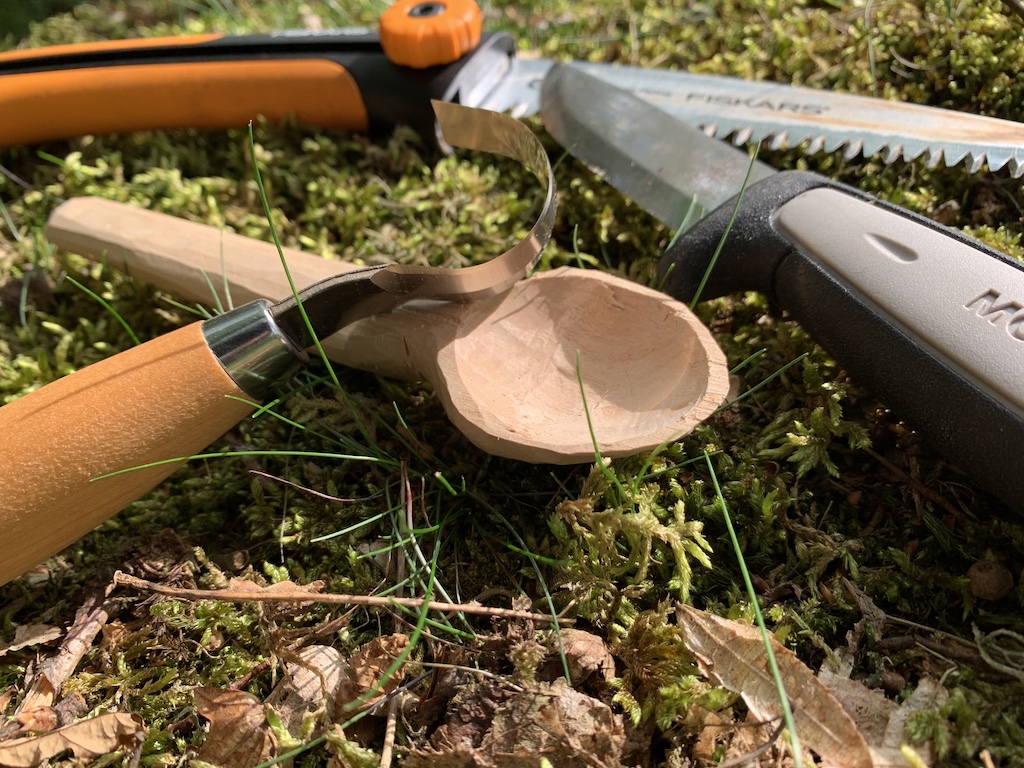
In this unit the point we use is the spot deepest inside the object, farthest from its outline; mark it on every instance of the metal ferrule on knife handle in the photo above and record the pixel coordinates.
(250, 345)
(914, 310)
(81, 448)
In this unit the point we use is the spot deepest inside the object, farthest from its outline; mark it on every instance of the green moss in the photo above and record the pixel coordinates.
(823, 483)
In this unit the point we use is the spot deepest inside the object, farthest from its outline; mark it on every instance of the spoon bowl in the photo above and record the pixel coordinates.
(507, 369)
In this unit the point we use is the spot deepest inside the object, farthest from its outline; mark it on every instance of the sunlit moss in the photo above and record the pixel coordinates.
(799, 461)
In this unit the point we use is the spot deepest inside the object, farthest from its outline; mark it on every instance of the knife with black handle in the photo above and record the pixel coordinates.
(930, 320)
(927, 318)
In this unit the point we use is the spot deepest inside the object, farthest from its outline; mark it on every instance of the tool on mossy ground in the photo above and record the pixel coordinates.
(171, 397)
(358, 80)
(504, 368)
(930, 320)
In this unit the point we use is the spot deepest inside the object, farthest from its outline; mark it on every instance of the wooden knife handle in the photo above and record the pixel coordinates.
(164, 399)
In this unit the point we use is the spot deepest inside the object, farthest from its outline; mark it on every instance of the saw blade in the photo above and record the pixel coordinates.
(824, 121)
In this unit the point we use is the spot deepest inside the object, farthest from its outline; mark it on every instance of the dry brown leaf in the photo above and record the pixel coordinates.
(869, 707)
(367, 666)
(587, 655)
(880, 719)
(311, 687)
(6, 697)
(239, 736)
(713, 729)
(732, 654)
(37, 719)
(929, 694)
(86, 739)
(570, 729)
(27, 635)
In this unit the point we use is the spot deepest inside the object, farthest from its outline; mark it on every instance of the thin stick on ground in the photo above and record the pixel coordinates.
(299, 595)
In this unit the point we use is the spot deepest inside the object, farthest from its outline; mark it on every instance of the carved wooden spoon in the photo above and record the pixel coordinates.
(505, 368)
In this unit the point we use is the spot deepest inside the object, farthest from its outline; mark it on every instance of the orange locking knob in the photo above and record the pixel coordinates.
(425, 33)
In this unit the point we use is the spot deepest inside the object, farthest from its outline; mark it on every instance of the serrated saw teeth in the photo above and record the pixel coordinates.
(742, 136)
(853, 149)
(974, 164)
(932, 158)
(893, 154)
(1014, 163)
(872, 146)
(955, 157)
(913, 151)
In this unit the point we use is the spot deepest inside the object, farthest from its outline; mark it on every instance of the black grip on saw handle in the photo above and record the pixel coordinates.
(930, 320)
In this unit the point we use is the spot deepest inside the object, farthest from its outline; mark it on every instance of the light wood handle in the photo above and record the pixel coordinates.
(185, 258)
(164, 399)
(178, 256)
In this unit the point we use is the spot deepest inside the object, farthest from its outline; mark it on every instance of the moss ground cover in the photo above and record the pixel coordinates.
(839, 507)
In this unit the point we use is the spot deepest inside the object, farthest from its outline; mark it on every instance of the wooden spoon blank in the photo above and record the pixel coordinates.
(504, 368)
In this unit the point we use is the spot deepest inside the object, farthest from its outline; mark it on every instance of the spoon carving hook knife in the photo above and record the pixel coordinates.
(65, 447)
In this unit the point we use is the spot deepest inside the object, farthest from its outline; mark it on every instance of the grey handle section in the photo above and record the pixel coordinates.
(959, 302)
(931, 321)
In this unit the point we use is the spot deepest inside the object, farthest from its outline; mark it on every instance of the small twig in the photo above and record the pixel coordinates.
(916, 484)
(387, 751)
(907, 642)
(301, 596)
(1010, 660)
(54, 671)
(501, 679)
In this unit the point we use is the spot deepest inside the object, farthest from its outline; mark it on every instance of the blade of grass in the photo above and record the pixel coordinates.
(349, 403)
(787, 710)
(230, 454)
(624, 498)
(732, 219)
(284, 262)
(106, 305)
(400, 659)
(538, 573)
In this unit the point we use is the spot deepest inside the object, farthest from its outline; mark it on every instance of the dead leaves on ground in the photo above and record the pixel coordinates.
(44, 726)
(732, 655)
(490, 726)
(90, 738)
(833, 720)
(517, 708)
(320, 687)
(239, 732)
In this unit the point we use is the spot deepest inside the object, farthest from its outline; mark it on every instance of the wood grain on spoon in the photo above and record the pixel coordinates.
(505, 368)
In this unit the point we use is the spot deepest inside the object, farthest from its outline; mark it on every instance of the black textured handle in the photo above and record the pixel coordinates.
(928, 319)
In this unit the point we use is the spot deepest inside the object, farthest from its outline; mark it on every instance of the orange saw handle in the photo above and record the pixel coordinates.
(352, 79)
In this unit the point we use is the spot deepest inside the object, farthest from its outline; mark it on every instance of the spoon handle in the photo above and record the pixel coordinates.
(204, 264)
